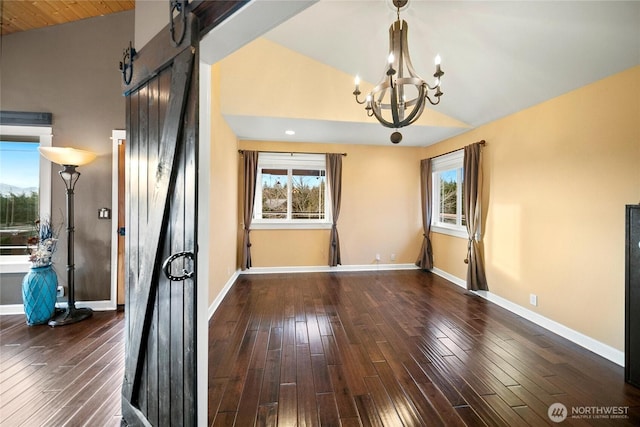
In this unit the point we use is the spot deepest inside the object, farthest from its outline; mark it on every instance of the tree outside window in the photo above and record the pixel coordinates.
(291, 190)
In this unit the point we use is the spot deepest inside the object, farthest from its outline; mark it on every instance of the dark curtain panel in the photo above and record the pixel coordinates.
(425, 259)
(334, 183)
(476, 277)
(250, 173)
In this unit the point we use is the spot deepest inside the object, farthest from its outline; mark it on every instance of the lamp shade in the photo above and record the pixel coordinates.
(67, 155)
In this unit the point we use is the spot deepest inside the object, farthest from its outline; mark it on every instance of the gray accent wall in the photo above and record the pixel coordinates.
(71, 71)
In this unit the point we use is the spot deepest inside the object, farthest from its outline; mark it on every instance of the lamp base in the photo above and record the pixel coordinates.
(70, 315)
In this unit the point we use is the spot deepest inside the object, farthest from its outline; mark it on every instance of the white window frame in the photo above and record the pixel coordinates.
(454, 160)
(289, 161)
(20, 263)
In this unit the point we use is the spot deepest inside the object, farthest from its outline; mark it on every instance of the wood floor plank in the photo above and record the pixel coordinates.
(348, 348)
(420, 391)
(327, 410)
(109, 414)
(405, 406)
(321, 380)
(342, 393)
(271, 378)
(267, 415)
(419, 347)
(367, 411)
(250, 398)
(288, 405)
(215, 392)
(78, 376)
(306, 395)
(88, 398)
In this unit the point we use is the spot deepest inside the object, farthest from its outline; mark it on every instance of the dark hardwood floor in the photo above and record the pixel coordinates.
(383, 349)
(63, 376)
(392, 349)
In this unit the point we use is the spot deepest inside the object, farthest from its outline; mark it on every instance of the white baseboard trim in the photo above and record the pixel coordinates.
(105, 305)
(450, 277)
(327, 269)
(614, 355)
(8, 309)
(216, 302)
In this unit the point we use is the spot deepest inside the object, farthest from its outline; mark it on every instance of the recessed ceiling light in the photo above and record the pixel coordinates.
(290, 132)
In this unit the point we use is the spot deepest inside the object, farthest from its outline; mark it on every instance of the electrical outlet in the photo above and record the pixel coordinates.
(377, 257)
(533, 299)
(60, 291)
(392, 257)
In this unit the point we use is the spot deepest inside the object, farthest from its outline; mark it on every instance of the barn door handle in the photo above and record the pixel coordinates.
(166, 266)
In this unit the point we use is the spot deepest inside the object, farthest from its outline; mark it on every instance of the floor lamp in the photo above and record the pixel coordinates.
(69, 159)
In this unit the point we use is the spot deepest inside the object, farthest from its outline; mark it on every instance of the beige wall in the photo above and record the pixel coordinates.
(223, 196)
(557, 177)
(289, 74)
(379, 214)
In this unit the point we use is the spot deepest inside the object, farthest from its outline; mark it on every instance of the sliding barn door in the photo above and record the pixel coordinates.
(159, 386)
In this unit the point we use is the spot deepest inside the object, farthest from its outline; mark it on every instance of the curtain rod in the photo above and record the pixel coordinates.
(482, 142)
(289, 152)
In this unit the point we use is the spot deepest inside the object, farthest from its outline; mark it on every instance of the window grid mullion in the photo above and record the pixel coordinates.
(257, 204)
(289, 193)
(436, 196)
(459, 198)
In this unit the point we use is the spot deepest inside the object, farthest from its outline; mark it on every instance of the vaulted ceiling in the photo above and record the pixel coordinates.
(499, 57)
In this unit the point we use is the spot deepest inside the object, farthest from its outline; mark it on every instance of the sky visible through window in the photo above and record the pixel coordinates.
(449, 176)
(19, 164)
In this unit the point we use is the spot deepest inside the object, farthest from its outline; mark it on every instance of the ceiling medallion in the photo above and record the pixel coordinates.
(399, 98)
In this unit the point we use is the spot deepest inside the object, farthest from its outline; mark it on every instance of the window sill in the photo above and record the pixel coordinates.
(290, 226)
(14, 264)
(455, 232)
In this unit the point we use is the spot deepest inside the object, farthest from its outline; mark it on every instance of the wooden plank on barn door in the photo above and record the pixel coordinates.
(159, 387)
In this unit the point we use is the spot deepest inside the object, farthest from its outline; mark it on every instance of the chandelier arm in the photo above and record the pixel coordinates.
(356, 94)
(429, 98)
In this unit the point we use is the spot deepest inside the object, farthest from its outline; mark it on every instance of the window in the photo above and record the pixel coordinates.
(447, 180)
(25, 191)
(291, 191)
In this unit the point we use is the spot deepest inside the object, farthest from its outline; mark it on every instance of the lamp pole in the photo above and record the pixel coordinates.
(71, 314)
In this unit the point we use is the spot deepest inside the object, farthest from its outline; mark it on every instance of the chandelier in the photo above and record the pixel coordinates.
(399, 98)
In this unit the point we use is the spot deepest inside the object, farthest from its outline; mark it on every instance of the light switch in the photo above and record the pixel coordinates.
(104, 213)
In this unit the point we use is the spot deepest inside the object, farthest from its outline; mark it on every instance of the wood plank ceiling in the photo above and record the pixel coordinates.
(24, 15)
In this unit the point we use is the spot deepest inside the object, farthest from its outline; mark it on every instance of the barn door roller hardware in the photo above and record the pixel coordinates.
(179, 6)
(166, 266)
(126, 65)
